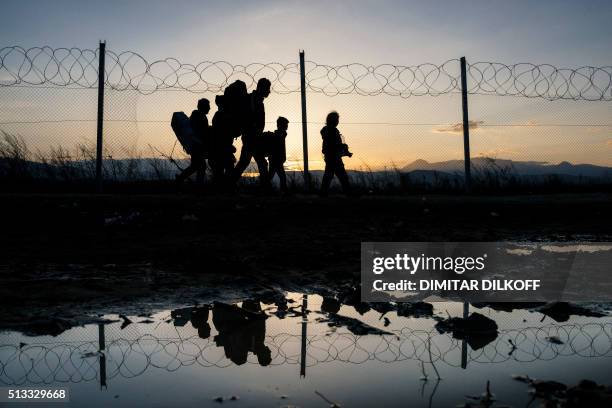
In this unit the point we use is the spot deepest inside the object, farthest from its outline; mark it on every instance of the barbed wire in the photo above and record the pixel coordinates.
(129, 70)
(50, 362)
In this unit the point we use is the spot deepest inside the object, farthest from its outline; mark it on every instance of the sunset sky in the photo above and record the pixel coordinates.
(562, 33)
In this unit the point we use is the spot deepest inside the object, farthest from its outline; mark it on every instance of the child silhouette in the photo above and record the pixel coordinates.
(277, 152)
(333, 151)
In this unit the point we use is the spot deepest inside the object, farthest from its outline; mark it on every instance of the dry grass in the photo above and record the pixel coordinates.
(19, 166)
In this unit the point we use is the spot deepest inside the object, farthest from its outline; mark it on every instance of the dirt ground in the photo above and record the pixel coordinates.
(64, 251)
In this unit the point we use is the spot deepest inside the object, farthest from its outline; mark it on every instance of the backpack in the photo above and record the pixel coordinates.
(183, 131)
(236, 97)
(236, 106)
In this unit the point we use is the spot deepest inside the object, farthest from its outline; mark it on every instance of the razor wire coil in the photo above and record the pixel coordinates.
(129, 70)
(124, 357)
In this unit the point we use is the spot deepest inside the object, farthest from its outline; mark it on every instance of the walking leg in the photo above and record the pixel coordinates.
(201, 171)
(343, 177)
(245, 158)
(189, 170)
(282, 177)
(262, 165)
(327, 178)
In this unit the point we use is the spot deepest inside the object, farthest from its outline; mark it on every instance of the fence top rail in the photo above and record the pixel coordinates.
(129, 70)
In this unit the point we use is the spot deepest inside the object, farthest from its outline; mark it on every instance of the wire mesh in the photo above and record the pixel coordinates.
(132, 352)
(391, 115)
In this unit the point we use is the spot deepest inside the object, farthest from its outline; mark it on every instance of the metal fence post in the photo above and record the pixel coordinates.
(304, 122)
(466, 127)
(99, 146)
(102, 354)
(304, 335)
(466, 314)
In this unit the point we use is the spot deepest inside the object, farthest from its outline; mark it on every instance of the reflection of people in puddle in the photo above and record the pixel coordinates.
(199, 320)
(330, 305)
(241, 329)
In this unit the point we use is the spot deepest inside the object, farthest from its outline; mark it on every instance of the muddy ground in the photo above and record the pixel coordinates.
(70, 254)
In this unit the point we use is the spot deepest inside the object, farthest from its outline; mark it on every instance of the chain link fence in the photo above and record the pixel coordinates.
(524, 118)
(133, 351)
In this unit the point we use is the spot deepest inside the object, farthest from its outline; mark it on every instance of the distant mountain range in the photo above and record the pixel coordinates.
(418, 172)
(519, 168)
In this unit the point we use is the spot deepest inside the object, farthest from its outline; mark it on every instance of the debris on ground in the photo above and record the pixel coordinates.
(90, 354)
(181, 316)
(330, 305)
(353, 325)
(477, 330)
(189, 218)
(126, 321)
(117, 219)
(47, 326)
(554, 340)
(586, 393)
(416, 309)
(485, 400)
(331, 403)
(561, 311)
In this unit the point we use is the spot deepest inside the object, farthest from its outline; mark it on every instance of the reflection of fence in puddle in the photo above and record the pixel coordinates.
(75, 362)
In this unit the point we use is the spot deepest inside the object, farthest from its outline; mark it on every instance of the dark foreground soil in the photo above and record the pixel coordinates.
(300, 232)
(62, 250)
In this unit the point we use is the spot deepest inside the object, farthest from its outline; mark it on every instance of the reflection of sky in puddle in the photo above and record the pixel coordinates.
(167, 363)
(527, 249)
(591, 248)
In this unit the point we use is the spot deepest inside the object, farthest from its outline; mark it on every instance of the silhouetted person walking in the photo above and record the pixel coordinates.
(241, 330)
(277, 152)
(221, 157)
(251, 136)
(333, 151)
(201, 132)
(199, 320)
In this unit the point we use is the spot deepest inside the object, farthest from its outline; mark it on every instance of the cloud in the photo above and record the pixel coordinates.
(457, 128)
(496, 153)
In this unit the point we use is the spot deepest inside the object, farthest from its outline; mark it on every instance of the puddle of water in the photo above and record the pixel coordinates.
(190, 356)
